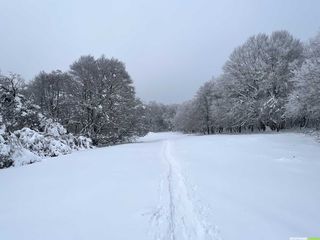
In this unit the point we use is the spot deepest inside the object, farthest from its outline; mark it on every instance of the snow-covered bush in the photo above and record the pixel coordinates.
(54, 141)
(42, 144)
(26, 135)
(82, 142)
(27, 146)
(52, 128)
(19, 154)
(57, 131)
(12, 153)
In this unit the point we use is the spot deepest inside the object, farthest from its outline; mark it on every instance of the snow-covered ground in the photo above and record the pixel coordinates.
(169, 186)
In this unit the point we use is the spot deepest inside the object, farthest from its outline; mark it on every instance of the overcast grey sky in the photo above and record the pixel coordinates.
(170, 47)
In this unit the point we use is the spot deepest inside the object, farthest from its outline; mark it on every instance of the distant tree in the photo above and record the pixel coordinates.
(186, 118)
(160, 116)
(204, 106)
(140, 124)
(221, 107)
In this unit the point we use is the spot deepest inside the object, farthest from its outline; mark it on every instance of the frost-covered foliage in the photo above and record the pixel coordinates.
(25, 134)
(54, 141)
(16, 111)
(304, 102)
(258, 80)
(26, 145)
(12, 152)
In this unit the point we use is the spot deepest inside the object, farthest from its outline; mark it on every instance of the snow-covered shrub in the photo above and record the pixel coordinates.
(82, 142)
(19, 154)
(42, 144)
(27, 146)
(12, 153)
(26, 135)
(51, 128)
(56, 130)
(52, 142)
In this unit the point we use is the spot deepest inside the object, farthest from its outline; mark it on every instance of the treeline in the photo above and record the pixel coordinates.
(160, 117)
(93, 103)
(268, 82)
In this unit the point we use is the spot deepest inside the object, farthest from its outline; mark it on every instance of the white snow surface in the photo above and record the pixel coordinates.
(169, 186)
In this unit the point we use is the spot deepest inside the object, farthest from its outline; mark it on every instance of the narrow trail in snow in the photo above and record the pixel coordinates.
(178, 217)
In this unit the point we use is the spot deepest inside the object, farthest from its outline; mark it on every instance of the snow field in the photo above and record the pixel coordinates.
(169, 186)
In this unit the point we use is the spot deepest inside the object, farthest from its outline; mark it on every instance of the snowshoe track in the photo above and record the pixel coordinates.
(178, 217)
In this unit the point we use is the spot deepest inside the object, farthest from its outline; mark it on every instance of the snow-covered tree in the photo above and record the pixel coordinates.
(186, 119)
(106, 99)
(53, 92)
(259, 77)
(17, 112)
(252, 91)
(160, 116)
(312, 49)
(204, 105)
(304, 102)
(95, 98)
